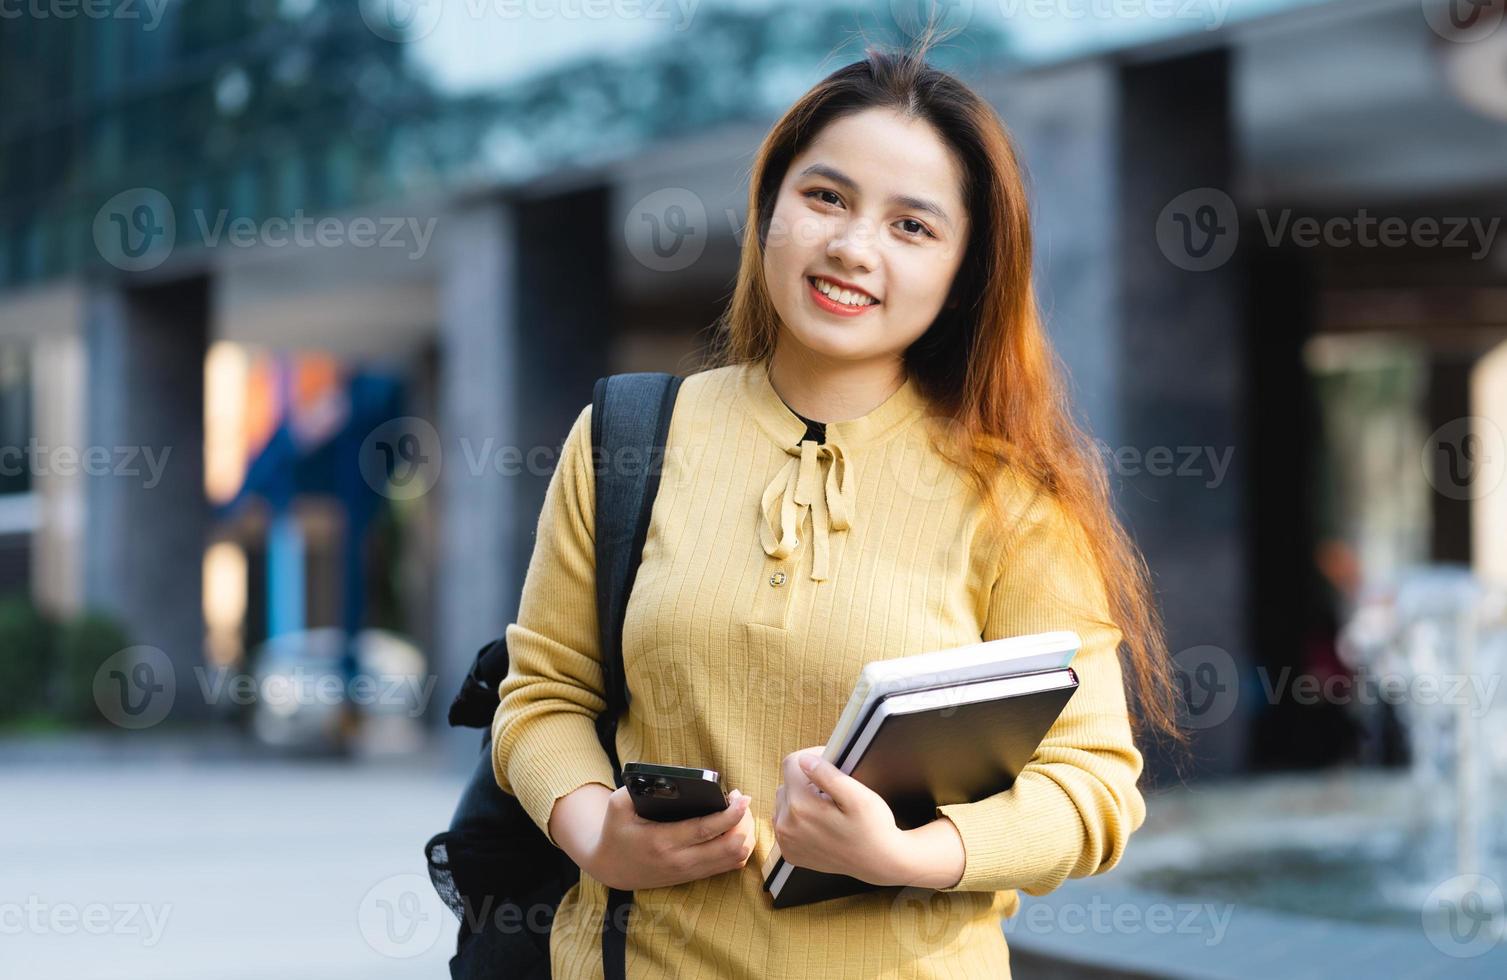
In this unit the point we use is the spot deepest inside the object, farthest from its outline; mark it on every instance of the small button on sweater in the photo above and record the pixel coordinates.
(774, 568)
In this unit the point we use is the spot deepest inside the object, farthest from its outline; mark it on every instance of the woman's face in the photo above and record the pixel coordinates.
(875, 201)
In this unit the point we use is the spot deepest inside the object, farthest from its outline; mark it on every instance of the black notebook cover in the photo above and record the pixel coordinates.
(931, 748)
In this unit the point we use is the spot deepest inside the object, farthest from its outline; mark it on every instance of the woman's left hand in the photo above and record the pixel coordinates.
(826, 820)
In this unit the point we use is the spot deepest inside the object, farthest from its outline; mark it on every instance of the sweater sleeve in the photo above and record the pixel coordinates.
(1075, 804)
(544, 741)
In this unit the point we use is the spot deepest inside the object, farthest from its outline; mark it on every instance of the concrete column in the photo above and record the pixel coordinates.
(478, 341)
(524, 321)
(1155, 351)
(1184, 386)
(570, 319)
(1065, 122)
(1448, 403)
(146, 513)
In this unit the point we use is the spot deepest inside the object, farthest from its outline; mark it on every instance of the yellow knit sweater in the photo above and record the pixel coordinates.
(774, 569)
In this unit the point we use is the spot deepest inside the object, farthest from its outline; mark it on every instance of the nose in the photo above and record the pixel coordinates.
(854, 245)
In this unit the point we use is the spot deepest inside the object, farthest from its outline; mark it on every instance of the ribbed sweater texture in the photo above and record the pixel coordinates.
(775, 567)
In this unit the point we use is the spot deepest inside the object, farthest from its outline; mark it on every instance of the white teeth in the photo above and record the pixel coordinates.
(844, 296)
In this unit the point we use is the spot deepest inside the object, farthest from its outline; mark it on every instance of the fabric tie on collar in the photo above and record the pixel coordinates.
(800, 487)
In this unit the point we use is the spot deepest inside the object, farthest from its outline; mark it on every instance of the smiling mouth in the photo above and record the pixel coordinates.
(837, 297)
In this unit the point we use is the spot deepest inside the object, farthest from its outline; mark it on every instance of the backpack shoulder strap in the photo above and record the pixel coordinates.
(630, 423)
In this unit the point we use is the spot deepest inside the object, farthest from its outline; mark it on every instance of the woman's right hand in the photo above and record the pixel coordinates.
(630, 853)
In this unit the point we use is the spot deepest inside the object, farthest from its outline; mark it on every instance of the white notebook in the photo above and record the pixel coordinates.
(940, 668)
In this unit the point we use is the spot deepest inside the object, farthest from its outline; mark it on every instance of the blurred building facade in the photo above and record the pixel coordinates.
(1216, 352)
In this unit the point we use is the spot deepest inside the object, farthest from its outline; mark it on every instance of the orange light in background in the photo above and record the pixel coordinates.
(241, 408)
(261, 402)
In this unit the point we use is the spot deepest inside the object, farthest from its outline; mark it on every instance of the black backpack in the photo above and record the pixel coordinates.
(494, 867)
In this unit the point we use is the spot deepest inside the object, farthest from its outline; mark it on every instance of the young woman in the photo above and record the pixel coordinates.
(880, 462)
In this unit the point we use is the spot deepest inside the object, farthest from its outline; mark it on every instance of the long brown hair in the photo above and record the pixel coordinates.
(985, 361)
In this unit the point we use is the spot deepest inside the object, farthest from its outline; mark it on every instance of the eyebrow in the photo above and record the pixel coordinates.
(850, 185)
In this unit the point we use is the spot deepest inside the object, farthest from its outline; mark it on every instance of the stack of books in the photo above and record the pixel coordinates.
(951, 726)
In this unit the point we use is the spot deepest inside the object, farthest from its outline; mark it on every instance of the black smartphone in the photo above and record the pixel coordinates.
(667, 793)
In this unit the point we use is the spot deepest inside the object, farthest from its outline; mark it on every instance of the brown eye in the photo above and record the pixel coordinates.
(920, 228)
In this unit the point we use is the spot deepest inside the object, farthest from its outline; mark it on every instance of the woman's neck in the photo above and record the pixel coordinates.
(829, 391)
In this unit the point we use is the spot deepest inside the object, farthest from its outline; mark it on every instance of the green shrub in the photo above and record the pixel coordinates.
(84, 642)
(27, 644)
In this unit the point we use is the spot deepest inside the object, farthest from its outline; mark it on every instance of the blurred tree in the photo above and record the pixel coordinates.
(268, 107)
(258, 109)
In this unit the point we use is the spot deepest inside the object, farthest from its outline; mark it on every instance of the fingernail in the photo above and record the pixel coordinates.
(735, 795)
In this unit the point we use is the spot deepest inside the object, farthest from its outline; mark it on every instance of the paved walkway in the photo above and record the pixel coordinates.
(163, 863)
